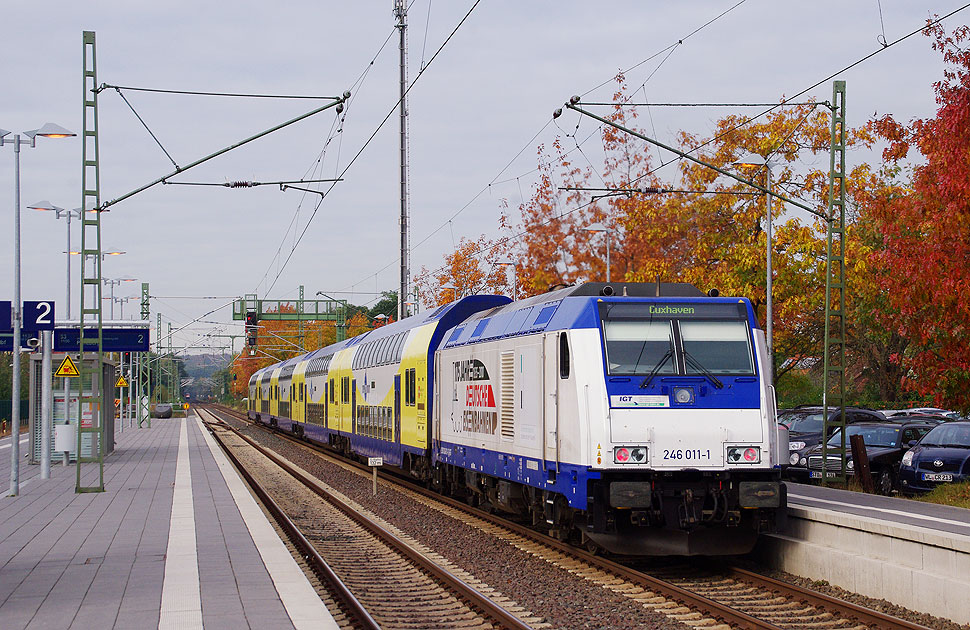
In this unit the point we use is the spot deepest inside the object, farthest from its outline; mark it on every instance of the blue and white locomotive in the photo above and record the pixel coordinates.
(636, 418)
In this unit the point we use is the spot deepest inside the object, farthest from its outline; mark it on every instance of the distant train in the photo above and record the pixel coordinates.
(635, 418)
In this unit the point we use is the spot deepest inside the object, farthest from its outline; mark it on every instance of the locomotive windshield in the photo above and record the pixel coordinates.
(694, 339)
(637, 347)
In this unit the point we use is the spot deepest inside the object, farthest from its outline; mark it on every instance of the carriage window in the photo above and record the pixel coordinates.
(399, 347)
(639, 347)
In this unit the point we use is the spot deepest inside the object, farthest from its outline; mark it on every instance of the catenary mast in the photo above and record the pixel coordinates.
(400, 12)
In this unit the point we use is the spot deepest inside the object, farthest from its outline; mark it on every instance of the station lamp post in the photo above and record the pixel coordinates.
(67, 214)
(754, 161)
(49, 130)
(112, 283)
(122, 300)
(597, 227)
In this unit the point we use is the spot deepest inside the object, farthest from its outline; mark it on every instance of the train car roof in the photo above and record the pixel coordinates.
(448, 314)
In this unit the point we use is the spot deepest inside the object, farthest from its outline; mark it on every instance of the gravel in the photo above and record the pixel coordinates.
(562, 599)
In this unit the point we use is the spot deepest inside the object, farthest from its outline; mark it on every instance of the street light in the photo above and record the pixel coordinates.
(103, 254)
(112, 283)
(515, 276)
(597, 227)
(68, 214)
(122, 300)
(49, 130)
(752, 160)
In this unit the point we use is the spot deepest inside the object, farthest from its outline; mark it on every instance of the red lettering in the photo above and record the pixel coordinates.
(479, 396)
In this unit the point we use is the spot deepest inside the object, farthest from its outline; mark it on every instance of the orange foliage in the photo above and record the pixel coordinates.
(472, 269)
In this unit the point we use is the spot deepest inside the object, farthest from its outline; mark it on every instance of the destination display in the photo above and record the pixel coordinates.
(689, 310)
(112, 339)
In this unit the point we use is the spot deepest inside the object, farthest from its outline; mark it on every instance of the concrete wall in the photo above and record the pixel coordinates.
(911, 566)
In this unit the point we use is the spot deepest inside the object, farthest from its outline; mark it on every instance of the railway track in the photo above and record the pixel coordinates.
(377, 578)
(702, 597)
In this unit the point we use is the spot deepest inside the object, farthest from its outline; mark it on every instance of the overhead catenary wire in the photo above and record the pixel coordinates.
(821, 81)
(318, 164)
(496, 181)
(747, 121)
(372, 136)
(251, 184)
(105, 86)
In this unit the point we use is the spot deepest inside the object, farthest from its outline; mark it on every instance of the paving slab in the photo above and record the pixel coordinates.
(100, 560)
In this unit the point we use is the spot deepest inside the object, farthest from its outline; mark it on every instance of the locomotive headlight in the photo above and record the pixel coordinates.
(793, 459)
(621, 455)
(849, 465)
(744, 454)
(684, 395)
(796, 446)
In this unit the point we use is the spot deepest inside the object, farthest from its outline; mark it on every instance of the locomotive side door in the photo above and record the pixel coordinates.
(550, 407)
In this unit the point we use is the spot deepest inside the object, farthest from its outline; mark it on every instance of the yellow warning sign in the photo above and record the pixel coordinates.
(121, 382)
(67, 368)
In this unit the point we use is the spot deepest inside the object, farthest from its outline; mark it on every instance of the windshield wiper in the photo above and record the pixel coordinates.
(663, 361)
(703, 370)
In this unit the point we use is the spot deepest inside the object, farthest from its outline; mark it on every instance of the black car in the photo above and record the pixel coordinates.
(886, 442)
(805, 431)
(942, 456)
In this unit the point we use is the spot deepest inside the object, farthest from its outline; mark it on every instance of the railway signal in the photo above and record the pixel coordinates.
(252, 327)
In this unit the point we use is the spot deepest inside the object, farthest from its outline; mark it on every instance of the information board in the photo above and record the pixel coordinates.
(112, 339)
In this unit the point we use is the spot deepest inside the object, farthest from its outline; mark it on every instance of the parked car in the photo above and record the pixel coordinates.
(886, 442)
(942, 456)
(926, 411)
(162, 410)
(805, 432)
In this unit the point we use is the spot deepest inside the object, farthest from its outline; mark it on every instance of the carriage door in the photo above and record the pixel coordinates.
(353, 405)
(550, 411)
(397, 409)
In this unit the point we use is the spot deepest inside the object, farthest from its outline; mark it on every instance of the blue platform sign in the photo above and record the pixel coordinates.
(6, 315)
(112, 339)
(6, 342)
(38, 315)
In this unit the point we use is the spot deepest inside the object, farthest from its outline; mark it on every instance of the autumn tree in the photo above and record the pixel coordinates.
(926, 232)
(473, 268)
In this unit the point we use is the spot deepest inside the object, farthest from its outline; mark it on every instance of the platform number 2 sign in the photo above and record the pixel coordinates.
(39, 315)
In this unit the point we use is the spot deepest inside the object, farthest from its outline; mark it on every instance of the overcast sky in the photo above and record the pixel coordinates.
(473, 115)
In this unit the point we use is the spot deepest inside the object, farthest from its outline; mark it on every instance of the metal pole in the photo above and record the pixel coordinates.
(69, 213)
(771, 357)
(132, 358)
(15, 387)
(46, 404)
(400, 11)
(121, 399)
(67, 381)
(608, 278)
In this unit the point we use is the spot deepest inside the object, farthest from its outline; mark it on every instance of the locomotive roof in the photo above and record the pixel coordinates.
(556, 310)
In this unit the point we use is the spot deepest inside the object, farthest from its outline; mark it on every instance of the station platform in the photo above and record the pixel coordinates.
(175, 541)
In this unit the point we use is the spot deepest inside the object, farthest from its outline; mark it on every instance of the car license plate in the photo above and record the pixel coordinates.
(817, 474)
(937, 477)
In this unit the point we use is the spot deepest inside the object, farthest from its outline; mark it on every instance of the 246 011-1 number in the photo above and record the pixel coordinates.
(687, 454)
